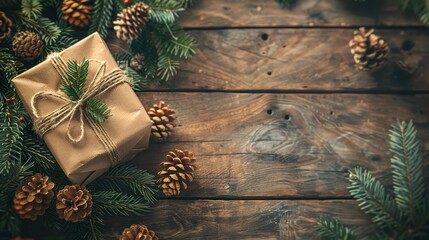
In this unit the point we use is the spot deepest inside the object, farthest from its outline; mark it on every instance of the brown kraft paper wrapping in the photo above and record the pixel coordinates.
(128, 126)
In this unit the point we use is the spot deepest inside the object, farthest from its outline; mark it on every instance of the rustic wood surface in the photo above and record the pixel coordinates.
(297, 60)
(305, 13)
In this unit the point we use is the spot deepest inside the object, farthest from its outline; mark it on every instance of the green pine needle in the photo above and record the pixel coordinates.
(31, 8)
(102, 13)
(374, 199)
(110, 203)
(332, 229)
(97, 110)
(127, 176)
(47, 29)
(287, 3)
(408, 181)
(76, 79)
(419, 7)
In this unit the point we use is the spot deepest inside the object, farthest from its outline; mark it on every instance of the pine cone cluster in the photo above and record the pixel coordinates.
(369, 50)
(177, 170)
(163, 118)
(136, 62)
(5, 26)
(33, 197)
(138, 232)
(74, 203)
(130, 22)
(77, 12)
(27, 45)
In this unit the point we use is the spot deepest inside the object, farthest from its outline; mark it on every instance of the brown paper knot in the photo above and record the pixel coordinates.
(100, 83)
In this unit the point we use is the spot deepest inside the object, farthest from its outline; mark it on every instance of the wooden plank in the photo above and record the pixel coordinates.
(297, 60)
(268, 13)
(242, 219)
(245, 147)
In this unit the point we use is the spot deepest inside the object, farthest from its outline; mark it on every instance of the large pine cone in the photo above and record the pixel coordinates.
(138, 232)
(163, 118)
(130, 22)
(27, 45)
(74, 203)
(370, 51)
(77, 12)
(5, 26)
(33, 197)
(177, 170)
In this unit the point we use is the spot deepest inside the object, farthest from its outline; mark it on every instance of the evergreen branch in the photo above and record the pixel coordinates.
(167, 66)
(186, 3)
(76, 79)
(128, 176)
(287, 3)
(408, 182)
(138, 82)
(11, 132)
(374, 199)
(329, 228)
(47, 29)
(31, 8)
(97, 110)
(101, 16)
(109, 203)
(163, 16)
(36, 150)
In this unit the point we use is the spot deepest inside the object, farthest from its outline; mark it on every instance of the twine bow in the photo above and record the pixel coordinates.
(100, 83)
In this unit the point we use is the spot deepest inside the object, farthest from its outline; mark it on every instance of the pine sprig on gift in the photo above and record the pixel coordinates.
(403, 215)
(127, 176)
(97, 110)
(329, 228)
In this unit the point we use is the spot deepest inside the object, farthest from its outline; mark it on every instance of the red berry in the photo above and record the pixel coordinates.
(8, 100)
(12, 99)
(21, 119)
(127, 2)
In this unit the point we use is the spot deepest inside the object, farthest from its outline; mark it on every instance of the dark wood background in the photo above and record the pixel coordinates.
(276, 113)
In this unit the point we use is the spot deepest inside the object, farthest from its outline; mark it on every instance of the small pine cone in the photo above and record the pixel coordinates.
(74, 203)
(163, 118)
(137, 62)
(5, 26)
(27, 45)
(33, 197)
(177, 170)
(77, 12)
(130, 22)
(369, 50)
(138, 232)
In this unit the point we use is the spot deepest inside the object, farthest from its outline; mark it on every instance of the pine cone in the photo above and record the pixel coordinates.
(138, 232)
(137, 62)
(177, 170)
(33, 197)
(370, 51)
(74, 203)
(77, 12)
(27, 45)
(163, 118)
(130, 22)
(5, 26)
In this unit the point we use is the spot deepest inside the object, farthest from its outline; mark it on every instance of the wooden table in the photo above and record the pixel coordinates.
(277, 113)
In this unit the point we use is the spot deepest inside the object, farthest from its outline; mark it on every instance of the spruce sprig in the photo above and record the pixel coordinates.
(403, 215)
(74, 86)
(330, 228)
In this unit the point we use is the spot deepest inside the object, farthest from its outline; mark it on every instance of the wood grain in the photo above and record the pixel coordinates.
(268, 13)
(297, 60)
(242, 219)
(245, 147)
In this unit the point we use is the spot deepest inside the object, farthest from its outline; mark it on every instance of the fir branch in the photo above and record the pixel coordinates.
(97, 110)
(101, 16)
(109, 203)
(36, 150)
(11, 131)
(47, 29)
(31, 8)
(374, 199)
(329, 228)
(167, 66)
(127, 176)
(164, 12)
(408, 182)
(76, 79)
